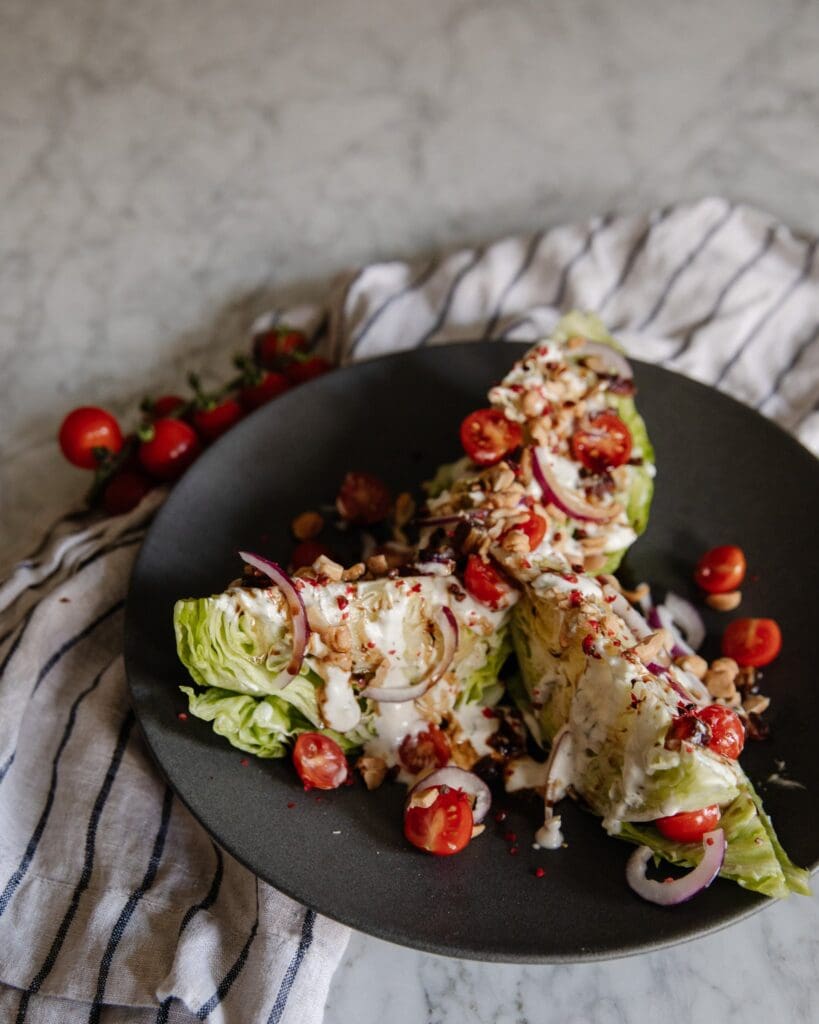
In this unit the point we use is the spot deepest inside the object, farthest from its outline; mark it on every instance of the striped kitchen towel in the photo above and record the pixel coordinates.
(115, 905)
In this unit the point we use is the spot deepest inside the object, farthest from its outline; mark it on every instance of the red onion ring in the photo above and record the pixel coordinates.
(616, 361)
(295, 605)
(457, 778)
(686, 616)
(668, 894)
(448, 628)
(567, 501)
(666, 621)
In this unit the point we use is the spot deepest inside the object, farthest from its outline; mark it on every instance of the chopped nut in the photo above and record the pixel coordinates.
(593, 562)
(424, 798)
(720, 685)
(525, 466)
(727, 665)
(636, 595)
(404, 508)
(533, 404)
(650, 646)
(341, 659)
(724, 602)
(746, 679)
(515, 541)
(373, 771)
(593, 545)
(377, 564)
(499, 477)
(307, 526)
(355, 572)
(477, 829)
(340, 638)
(756, 703)
(325, 566)
(694, 664)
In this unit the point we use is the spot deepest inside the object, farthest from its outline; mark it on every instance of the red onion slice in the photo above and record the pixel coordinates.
(670, 893)
(686, 616)
(457, 778)
(616, 362)
(295, 605)
(448, 628)
(666, 621)
(567, 501)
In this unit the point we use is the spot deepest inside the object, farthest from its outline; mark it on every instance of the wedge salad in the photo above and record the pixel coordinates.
(487, 643)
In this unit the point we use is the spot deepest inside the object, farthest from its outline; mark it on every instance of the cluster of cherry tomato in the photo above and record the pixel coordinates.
(175, 429)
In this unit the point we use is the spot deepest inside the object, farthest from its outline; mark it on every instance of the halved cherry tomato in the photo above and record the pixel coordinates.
(444, 827)
(124, 492)
(274, 349)
(86, 429)
(752, 641)
(727, 731)
(320, 761)
(165, 406)
(363, 499)
(171, 448)
(487, 435)
(425, 751)
(534, 528)
(721, 569)
(270, 386)
(307, 552)
(213, 422)
(301, 372)
(484, 582)
(603, 443)
(689, 826)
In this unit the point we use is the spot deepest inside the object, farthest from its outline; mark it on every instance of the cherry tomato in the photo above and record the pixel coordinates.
(212, 423)
(484, 582)
(165, 406)
(487, 435)
(172, 448)
(727, 731)
(442, 828)
(320, 761)
(689, 826)
(604, 443)
(301, 372)
(85, 429)
(534, 528)
(752, 641)
(307, 552)
(270, 386)
(363, 499)
(124, 492)
(425, 751)
(274, 349)
(721, 569)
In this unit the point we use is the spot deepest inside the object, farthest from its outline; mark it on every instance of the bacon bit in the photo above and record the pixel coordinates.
(342, 602)
(291, 803)
(244, 762)
(575, 598)
(182, 716)
(540, 872)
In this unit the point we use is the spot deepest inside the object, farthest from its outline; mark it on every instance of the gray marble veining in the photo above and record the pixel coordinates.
(167, 169)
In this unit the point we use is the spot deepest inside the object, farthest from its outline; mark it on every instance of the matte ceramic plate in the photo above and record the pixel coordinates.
(726, 476)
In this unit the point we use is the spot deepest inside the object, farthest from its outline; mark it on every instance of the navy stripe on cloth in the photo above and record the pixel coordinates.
(293, 967)
(87, 868)
(212, 894)
(443, 313)
(128, 539)
(226, 983)
(413, 286)
(528, 257)
(733, 280)
(16, 643)
(632, 256)
(560, 294)
(792, 363)
(7, 764)
(25, 863)
(72, 642)
(763, 320)
(130, 906)
(672, 279)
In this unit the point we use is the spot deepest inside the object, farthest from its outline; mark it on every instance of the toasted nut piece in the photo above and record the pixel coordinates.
(756, 703)
(373, 771)
(340, 638)
(720, 685)
(477, 829)
(593, 545)
(727, 665)
(525, 466)
(342, 659)
(724, 602)
(650, 646)
(307, 526)
(746, 678)
(636, 595)
(533, 403)
(499, 477)
(377, 564)
(355, 572)
(593, 562)
(515, 541)
(575, 342)
(325, 566)
(404, 508)
(424, 797)
(694, 664)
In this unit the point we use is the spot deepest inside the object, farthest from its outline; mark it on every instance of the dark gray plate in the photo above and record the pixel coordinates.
(726, 476)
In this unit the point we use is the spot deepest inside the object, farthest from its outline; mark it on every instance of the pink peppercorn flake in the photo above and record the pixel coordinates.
(514, 850)
(342, 602)
(540, 872)
(510, 837)
(182, 716)
(291, 803)
(500, 816)
(244, 762)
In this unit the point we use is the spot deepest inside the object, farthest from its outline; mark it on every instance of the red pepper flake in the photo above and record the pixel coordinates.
(489, 713)
(540, 872)
(709, 841)
(182, 716)
(575, 598)
(244, 762)
(516, 388)
(526, 563)
(415, 589)
(558, 537)
(370, 644)
(594, 624)
(500, 816)
(611, 599)
(399, 583)
(588, 644)
(576, 568)
(510, 837)
(342, 602)
(392, 651)
(291, 803)
(350, 589)
(319, 799)
(514, 850)
(617, 643)
(636, 701)
(570, 577)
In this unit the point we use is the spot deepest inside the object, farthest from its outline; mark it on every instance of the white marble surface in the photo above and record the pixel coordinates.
(168, 168)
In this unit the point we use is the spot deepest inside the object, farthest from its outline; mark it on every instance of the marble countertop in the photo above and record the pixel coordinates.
(169, 170)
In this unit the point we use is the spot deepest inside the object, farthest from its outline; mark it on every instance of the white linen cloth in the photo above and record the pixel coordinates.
(115, 905)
